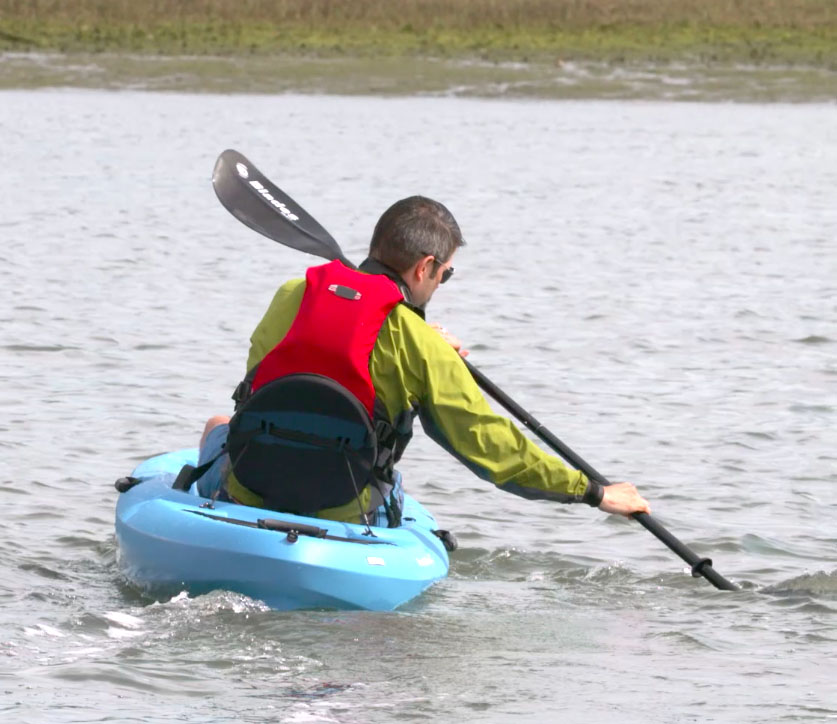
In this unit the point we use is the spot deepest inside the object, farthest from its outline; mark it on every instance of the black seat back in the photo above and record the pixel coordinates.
(299, 441)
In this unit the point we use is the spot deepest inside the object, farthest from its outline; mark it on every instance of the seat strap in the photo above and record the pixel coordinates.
(190, 474)
(337, 444)
(244, 389)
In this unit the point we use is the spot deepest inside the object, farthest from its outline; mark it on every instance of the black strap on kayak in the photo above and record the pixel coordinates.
(293, 530)
(189, 473)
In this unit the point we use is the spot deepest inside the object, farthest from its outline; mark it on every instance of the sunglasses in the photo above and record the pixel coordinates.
(447, 273)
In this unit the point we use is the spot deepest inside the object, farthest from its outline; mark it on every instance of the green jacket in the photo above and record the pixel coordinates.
(415, 371)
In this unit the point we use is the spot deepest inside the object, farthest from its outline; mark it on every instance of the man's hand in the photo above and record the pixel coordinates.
(450, 339)
(623, 499)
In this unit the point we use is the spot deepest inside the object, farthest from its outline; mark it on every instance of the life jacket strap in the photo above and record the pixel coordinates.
(244, 389)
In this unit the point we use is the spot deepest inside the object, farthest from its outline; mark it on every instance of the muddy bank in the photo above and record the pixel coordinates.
(411, 76)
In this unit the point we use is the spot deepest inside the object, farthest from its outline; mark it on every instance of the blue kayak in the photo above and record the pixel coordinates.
(172, 540)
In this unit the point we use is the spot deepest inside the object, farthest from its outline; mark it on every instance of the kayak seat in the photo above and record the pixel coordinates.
(303, 442)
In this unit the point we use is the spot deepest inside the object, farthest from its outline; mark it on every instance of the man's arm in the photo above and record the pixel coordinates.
(617, 498)
(414, 365)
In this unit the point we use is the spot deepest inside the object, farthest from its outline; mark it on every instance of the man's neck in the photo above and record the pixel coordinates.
(370, 265)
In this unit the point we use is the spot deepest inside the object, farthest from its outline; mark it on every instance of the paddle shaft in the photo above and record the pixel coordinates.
(257, 202)
(700, 566)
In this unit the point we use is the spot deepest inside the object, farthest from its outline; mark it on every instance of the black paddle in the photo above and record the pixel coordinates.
(254, 200)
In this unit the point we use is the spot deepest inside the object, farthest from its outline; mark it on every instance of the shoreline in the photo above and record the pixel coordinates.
(406, 76)
(758, 50)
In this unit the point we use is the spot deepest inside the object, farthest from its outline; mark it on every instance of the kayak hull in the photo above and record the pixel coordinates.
(172, 540)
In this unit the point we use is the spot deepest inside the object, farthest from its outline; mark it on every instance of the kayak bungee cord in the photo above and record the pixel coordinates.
(293, 530)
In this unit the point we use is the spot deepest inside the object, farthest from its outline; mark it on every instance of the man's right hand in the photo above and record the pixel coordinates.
(623, 499)
(450, 339)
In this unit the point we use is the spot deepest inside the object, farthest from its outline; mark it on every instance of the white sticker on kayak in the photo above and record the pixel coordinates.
(242, 170)
(375, 561)
(425, 561)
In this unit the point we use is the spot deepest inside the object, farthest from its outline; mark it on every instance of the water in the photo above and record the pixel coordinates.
(656, 282)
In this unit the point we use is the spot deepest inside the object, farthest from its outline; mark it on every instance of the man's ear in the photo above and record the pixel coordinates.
(423, 267)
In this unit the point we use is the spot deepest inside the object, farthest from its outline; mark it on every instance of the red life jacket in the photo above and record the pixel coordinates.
(307, 436)
(334, 331)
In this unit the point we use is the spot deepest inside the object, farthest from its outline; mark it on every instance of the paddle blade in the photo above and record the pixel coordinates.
(257, 202)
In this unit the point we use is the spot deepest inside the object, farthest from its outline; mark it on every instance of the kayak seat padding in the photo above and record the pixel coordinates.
(303, 442)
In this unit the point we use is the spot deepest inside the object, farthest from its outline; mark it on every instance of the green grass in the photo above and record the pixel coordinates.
(722, 31)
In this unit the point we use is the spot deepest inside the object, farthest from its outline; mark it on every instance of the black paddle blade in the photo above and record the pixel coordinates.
(255, 201)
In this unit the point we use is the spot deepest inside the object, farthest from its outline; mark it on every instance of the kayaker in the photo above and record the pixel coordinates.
(415, 370)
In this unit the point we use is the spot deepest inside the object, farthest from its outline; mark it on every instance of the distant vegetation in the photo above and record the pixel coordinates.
(752, 31)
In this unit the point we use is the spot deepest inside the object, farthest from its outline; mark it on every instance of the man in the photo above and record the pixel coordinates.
(413, 370)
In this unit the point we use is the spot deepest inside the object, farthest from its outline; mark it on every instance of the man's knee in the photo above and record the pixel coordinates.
(211, 424)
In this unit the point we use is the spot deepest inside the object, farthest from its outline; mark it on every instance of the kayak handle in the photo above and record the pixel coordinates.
(284, 526)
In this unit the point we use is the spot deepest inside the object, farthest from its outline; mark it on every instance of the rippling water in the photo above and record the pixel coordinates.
(656, 282)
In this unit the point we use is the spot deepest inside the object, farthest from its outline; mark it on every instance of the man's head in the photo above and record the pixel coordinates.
(417, 237)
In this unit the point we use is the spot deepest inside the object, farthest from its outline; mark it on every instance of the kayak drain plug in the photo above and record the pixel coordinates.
(293, 536)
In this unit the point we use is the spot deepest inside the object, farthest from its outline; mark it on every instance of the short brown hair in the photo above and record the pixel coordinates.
(412, 228)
